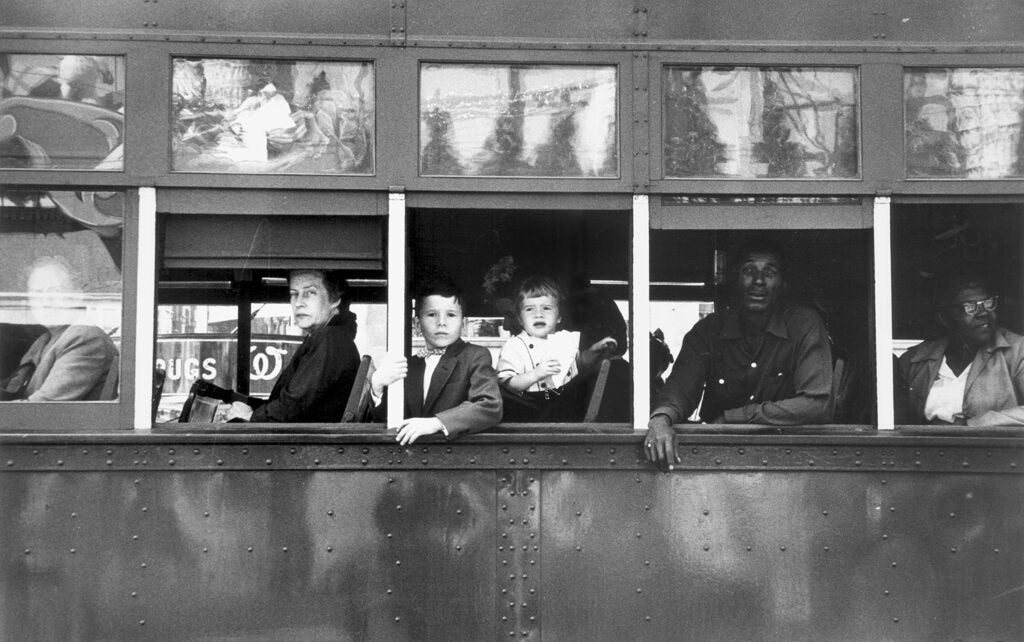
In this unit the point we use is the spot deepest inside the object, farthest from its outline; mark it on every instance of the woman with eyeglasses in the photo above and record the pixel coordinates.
(974, 374)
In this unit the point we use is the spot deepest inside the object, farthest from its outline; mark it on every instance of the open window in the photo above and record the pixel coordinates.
(490, 253)
(223, 314)
(827, 268)
(940, 249)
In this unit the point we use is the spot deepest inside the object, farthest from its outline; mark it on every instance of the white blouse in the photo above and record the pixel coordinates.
(946, 397)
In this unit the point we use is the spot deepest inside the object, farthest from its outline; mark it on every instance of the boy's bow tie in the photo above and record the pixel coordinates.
(423, 353)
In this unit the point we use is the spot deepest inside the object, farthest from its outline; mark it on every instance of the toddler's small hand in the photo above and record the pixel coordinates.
(548, 367)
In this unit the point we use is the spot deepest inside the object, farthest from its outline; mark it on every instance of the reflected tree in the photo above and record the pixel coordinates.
(557, 157)
(438, 157)
(783, 156)
(502, 151)
(691, 137)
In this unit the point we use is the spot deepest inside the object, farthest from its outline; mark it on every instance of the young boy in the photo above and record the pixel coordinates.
(450, 385)
(540, 364)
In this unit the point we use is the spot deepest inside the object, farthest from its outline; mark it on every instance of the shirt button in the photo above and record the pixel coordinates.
(530, 346)
(753, 364)
(721, 381)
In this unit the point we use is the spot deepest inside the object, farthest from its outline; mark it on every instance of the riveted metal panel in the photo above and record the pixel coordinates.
(330, 536)
(519, 556)
(886, 452)
(279, 555)
(754, 556)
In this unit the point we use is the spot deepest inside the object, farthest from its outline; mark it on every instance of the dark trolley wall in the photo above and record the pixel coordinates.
(846, 536)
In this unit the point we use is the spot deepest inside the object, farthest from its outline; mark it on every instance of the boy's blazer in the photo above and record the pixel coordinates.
(463, 392)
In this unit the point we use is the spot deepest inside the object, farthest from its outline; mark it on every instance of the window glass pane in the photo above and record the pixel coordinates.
(518, 120)
(964, 123)
(61, 112)
(820, 305)
(945, 255)
(745, 122)
(578, 261)
(60, 295)
(272, 116)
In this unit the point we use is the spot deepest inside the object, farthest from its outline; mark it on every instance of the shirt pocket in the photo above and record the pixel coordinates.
(777, 384)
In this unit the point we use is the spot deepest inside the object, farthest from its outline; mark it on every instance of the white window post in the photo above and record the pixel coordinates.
(883, 311)
(396, 299)
(641, 310)
(145, 306)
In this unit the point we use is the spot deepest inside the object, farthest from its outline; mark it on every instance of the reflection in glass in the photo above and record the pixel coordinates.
(61, 112)
(964, 123)
(272, 116)
(515, 120)
(60, 295)
(743, 122)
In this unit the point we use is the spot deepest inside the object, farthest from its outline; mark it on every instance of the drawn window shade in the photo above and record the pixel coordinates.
(62, 112)
(747, 122)
(60, 295)
(964, 123)
(519, 120)
(272, 116)
(265, 242)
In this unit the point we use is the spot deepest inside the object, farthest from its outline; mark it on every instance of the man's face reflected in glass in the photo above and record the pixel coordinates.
(54, 298)
(759, 282)
(310, 300)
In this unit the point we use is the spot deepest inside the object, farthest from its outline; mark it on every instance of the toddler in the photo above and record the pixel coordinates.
(543, 362)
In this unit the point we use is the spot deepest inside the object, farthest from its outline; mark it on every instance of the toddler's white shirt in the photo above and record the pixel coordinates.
(523, 353)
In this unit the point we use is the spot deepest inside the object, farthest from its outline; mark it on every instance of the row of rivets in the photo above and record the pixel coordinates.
(888, 457)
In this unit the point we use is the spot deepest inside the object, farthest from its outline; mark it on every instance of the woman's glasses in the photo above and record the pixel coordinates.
(972, 308)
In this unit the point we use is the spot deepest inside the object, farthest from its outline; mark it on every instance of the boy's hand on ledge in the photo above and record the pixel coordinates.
(412, 429)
